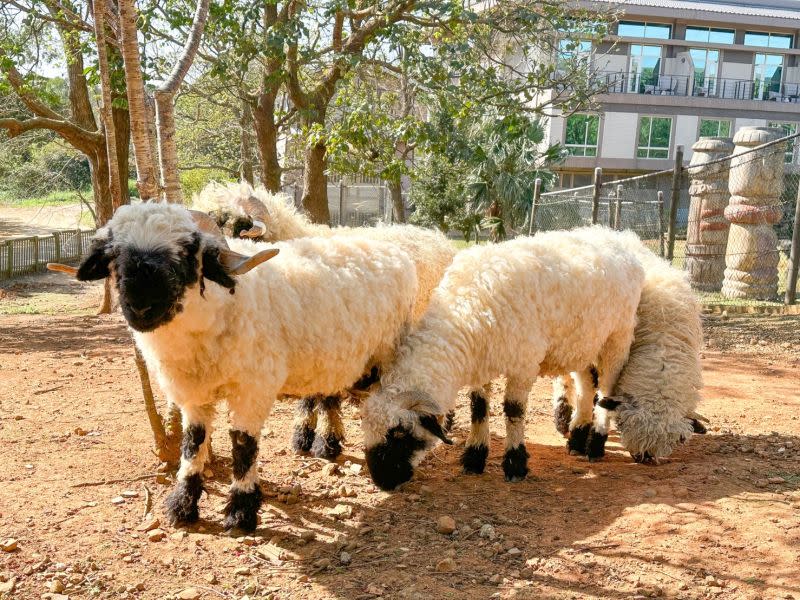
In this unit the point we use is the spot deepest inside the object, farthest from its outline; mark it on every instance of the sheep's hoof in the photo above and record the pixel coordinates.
(181, 504)
(644, 458)
(515, 463)
(562, 415)
(474, 459)
(241, 511)
(698, 427)
(328, 446)
(302, 439)
(596, 445)
(576, 444)
(449, 421)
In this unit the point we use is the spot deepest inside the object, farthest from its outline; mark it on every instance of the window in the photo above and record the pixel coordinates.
(654, 137)
(581, 135)
(768, 40)
(715, 128)
(644, 30)
(710, 35)
(706, 64)
(644, 68)
(573, 54)
(767, 74)
(789, 129)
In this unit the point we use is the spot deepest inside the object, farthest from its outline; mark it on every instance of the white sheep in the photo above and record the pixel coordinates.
(654, 401)
(241, 210)
(296, 326)
(548, 305)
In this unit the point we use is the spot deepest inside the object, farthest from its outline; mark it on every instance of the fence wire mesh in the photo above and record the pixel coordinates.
(733, 221)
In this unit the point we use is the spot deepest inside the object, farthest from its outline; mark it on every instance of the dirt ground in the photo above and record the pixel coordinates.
(719, 519)
(16, 221)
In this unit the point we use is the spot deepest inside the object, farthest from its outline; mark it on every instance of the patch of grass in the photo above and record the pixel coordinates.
(59, 197)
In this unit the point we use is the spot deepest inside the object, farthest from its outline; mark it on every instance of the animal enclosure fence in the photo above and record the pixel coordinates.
(20, 256)
(733, 222)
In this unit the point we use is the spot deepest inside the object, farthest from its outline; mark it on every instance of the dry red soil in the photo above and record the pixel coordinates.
(719, 519)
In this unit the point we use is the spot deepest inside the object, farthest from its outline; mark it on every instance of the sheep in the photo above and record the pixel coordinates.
(261, 215)
(655, 398)
(281, 334)
(548, 305)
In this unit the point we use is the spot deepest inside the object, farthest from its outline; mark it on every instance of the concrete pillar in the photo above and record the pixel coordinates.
(707, 235)
(755, 183)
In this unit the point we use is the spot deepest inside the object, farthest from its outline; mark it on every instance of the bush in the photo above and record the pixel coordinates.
(195, 180)
(50, 168)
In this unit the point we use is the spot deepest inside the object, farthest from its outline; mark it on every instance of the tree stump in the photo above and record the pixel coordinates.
(707, 236)
(755, 183)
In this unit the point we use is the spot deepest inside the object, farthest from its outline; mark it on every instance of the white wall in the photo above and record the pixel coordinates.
(556, 133)
(619, 135)
(685, 133)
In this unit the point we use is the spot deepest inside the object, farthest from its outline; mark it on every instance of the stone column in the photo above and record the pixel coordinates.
(755, 183)
(707, 235)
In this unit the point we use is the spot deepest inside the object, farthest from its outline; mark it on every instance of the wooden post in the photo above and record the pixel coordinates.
(10, 258)
(673, 205)
(57, 242)
(661, 223)
(794, 256)
(598, 184)
(35, 253)
(341, 200)
(537, 193)
(611, 211)
(80, 243)
(618, 209)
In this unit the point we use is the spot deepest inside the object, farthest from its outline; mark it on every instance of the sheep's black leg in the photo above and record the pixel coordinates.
(305, 423)
(449, 421)
(241, 511)
(181, 504)
(581, 424)
(477, 449)
(330, 434)
(515, 461)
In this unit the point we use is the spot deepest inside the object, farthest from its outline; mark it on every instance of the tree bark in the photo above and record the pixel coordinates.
(315, 184)
(246, 144)
(146, 179)
(398, 206)
(267, 140)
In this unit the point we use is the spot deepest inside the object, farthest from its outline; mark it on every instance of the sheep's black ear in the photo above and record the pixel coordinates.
(609, 403)
(95, 264)
(431, 423)
(213, 268)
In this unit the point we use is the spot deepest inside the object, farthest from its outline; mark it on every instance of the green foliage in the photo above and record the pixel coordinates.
(49, 167)
(196, 179)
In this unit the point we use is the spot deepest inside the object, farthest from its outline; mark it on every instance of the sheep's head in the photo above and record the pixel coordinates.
(156, 252)
(232, 224)
(647, 435)
(399, 428)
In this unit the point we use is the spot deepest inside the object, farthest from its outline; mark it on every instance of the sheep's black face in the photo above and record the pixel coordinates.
(231, 224)
(152, 283)
(391, 461)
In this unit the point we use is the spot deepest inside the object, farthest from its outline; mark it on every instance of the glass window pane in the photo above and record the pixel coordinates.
(641, 153)
(754, 38)
(709, 127)
(591, 151)
(721, 36)
(591, 131)
(644, 131)
(659, 154)
(725, 128)
(657, 31)
(630, 29)
(661, 130)
(780, 40)
(697, 34)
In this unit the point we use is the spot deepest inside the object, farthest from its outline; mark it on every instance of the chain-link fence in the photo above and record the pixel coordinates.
(360, 200)
(731, 225)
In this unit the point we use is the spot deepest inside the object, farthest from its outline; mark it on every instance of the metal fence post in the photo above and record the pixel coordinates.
(611, 211)
(673, 205)
(618, 209)
(598, 184)
(537, 193)
(341, 200)
(35, 253)
(661, 223)
(794, 256)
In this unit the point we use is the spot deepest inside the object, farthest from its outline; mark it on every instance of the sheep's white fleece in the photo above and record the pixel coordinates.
(545, 305)
(296, 325)
(430, 250)
(660, 384)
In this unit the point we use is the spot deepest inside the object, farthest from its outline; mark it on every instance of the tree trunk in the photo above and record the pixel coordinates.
(246, 144)
(315, 184)
(122, 127)
(398, 206)
(167, 147)
(104, 209)
(146, 179)
(267, 140)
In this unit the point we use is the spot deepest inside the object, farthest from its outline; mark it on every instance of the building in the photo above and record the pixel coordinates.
(674, 70)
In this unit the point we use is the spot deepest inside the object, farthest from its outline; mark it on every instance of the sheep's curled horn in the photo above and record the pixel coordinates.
(428, 409)
(234, 263)
(256, 210)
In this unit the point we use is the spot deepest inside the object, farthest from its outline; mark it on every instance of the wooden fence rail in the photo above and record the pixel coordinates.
(20, 256)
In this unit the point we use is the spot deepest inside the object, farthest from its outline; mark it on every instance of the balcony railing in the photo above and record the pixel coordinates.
(617, 82)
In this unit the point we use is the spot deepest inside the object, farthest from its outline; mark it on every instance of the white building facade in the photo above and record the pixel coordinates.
(674, 70)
